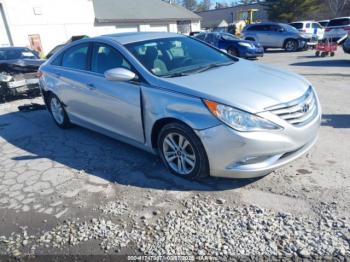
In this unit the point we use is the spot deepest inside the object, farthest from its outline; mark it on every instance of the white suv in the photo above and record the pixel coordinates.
(337, 28)
(310, 28)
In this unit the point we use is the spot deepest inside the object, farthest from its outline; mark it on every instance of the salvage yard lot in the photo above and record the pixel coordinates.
(77, 192)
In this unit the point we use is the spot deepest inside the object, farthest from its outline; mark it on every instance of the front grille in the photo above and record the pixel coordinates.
(298, 112)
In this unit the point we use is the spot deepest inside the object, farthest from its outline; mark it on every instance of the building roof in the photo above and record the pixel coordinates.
(136, 11)
(231, 14)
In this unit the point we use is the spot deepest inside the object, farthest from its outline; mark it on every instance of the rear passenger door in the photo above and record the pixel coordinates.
(68, 77)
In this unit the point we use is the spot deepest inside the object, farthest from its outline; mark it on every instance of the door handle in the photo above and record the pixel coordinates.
(91, 86)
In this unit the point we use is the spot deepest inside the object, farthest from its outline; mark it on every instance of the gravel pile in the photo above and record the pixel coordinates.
(110, 235)
(207, 227)
(115, 208)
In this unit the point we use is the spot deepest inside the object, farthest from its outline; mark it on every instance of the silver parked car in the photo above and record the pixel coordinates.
(276, 35)
(204, 111)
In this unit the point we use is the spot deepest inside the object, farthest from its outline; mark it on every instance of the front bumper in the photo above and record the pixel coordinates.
(252, 53)
(236, 154)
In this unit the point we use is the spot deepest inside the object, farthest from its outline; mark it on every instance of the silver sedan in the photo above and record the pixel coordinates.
(205, 112)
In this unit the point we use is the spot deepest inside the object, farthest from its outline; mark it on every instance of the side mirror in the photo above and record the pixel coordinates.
(119, 74)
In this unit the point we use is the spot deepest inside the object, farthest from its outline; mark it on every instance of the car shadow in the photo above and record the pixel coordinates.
(336, 121)
(325, 63)
(79, 149)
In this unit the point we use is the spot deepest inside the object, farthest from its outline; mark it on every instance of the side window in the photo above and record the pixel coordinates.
(105, 57)
(316, 25)
(308, 25)
(76, 57)
(209, 38)
(201, 36)
(275, 28)
(57, 61)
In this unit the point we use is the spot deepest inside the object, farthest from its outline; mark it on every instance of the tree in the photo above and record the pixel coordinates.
(190, 4)
(204, 5)
(291, 10)
(336, 6)
(219, 5)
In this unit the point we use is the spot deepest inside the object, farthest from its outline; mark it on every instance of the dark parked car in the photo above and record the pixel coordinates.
(233, 45)
(18, 71)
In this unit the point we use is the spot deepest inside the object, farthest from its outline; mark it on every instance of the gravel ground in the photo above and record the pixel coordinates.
(75, 192)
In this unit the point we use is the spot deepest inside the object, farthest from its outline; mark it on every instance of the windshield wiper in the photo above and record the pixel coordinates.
(199, 69)
(214, 65)
(175, 75)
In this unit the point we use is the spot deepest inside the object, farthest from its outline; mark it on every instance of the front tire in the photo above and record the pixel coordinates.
(291, 45)
(182, 151)
(58, 112)
(233, 51)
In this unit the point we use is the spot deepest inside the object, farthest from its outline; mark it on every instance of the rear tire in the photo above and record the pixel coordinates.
(291, 45)
(317, 53)
(182, 151)
(58, 113)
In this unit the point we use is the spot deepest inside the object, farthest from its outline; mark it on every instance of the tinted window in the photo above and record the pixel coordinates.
(229, 37)
(297, 25)
(169, 56)
(257, 28)
(308, 25)
(316, 25)
(274, 28)
(58, 60)
(76, 57)
(105, 57)
(200, 36)
(210, 38)
(324, 24)
(339, 22)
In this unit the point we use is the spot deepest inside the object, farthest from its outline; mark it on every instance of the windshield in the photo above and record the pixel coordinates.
(229, 37)
(16, 53)
(339, 22)
(174, 56)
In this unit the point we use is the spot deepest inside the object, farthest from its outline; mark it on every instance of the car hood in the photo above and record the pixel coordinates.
(17, 66)
(250, 86)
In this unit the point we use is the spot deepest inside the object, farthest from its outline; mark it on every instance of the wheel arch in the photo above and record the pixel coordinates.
(288, 39)
(159, 124)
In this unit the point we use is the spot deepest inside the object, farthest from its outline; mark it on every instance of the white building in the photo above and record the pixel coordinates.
(47, 23)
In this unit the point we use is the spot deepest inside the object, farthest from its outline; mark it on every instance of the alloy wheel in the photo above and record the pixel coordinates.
(57, 110)
(179, 153)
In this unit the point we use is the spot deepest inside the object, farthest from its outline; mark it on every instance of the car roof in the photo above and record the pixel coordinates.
(127, 38)
(345, 17)
(305, 21)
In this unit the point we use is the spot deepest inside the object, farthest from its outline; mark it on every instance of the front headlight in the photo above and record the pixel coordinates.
(5, 77)
(240, 120)
(245, 44)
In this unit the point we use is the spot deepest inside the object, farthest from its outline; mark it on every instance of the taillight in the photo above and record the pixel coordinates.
(39, 74)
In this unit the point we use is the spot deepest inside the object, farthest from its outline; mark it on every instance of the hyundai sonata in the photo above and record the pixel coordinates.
(204, 111)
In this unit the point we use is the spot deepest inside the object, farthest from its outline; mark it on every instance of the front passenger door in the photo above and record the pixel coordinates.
(114, 105)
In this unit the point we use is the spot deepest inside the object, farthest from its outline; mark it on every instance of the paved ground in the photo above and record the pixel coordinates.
(51, 177)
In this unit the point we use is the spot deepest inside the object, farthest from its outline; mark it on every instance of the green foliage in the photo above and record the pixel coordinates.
(190, 4)
(204, 5)
(291, 10)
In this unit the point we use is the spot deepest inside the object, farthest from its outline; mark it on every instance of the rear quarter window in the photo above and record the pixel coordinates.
(339, 22)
